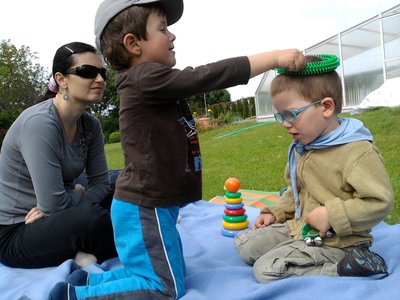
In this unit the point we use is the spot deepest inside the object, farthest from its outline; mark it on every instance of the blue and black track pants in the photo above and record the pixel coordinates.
(150, 250)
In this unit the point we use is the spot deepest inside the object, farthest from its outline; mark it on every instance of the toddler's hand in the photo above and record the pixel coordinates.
(291, 59)
(264, 220)
(318, 219)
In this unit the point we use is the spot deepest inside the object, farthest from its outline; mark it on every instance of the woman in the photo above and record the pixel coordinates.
(46, 217)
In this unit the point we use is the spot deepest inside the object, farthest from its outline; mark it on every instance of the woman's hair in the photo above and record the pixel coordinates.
(131, 20)
(311, 87)
(63, 60)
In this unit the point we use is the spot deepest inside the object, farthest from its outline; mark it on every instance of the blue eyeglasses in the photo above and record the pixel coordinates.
(289, 115)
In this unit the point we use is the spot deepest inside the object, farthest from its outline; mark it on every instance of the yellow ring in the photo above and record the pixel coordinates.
(233, 200)
(235, 226)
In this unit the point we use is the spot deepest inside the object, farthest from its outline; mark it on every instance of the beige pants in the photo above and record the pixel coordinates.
(275, 255)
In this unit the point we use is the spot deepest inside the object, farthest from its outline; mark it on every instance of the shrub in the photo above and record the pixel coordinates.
(6, 119)
(2, 135)
(114, 137)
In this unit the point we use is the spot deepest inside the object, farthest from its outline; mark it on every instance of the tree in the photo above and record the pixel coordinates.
(196, 102)
(245, 108)
(107, 110)
(109, 104)
(22, 82)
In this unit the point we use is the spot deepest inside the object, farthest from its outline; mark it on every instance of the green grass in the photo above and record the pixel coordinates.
(257, 156)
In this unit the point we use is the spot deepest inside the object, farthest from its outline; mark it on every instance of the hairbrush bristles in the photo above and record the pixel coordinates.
(328, 64)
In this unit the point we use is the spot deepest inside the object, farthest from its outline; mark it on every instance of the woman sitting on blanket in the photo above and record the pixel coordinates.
(46, 217)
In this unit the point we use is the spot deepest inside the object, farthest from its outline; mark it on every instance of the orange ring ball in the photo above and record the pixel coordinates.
(232, 184)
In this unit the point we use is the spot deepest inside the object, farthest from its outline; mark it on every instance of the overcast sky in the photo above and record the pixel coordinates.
(209, 30)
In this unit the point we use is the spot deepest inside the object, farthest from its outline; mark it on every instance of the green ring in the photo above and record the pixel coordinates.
(328, 64)
(235, 219)
(233, 195)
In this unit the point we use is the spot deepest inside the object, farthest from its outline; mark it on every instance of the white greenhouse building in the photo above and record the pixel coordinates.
(369, 53)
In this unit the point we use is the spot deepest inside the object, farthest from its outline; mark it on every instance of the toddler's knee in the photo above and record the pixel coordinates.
(263, 274)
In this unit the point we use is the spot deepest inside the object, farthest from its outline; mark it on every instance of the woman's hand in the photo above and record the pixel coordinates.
(264, 220)
(79, 189)
(33, 215)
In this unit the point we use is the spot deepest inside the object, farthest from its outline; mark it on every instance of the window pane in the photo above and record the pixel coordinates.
(362, 61)
(391, 36)
(393, 69)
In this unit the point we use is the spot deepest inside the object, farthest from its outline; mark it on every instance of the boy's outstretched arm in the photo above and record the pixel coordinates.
(291, 59)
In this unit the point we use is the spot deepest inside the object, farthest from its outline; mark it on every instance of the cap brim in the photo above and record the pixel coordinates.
(173, 10)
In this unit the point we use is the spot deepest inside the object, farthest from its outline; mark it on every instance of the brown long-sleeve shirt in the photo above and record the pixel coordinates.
(158, 133)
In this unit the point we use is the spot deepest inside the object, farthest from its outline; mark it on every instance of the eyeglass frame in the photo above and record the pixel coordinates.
(75, 71)
(279, 117)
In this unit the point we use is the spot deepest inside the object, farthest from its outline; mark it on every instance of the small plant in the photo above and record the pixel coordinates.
(114, 137)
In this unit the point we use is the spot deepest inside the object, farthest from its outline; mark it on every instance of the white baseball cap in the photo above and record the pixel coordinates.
(108, 9)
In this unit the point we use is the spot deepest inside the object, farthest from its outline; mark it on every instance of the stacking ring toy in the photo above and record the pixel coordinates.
(235, 219)
(233, 195)
(234, 212)
(229, 233)
(234, 206)
(235, 226)
(233, 200)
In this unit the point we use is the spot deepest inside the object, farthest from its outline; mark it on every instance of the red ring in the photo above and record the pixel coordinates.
(234, 212)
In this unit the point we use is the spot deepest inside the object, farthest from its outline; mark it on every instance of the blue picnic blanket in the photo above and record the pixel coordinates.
(215, 271)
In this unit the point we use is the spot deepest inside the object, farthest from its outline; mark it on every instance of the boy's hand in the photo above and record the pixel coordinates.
(318, 219)
(264, 220)
(290, 59)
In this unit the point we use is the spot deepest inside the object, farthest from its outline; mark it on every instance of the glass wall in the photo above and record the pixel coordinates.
(369, 53)
(391, 40)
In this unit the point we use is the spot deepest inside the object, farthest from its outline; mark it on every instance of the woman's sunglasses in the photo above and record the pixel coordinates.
(88, 71)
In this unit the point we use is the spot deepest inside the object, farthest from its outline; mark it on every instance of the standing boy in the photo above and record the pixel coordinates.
(337, 185)
(160, 144)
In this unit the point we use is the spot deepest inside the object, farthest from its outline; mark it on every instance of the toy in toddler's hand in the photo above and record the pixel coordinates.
(312, 237)
(234, 218)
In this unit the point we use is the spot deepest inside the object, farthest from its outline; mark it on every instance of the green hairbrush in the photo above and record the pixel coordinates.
(328, 64)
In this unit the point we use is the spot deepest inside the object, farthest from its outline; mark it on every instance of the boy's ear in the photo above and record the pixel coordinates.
(328, 106)
(131, 44)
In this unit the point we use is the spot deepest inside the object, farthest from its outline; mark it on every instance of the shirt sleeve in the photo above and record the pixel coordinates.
(164, 84)
(40, 148)
(96, 167)
(372, 198)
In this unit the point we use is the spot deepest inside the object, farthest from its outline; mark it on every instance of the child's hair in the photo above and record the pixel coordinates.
(312, 87)
(131, 20)
(63, 60)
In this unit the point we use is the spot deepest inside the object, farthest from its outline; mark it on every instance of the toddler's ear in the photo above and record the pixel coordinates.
(328, 106)
(131, 44)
